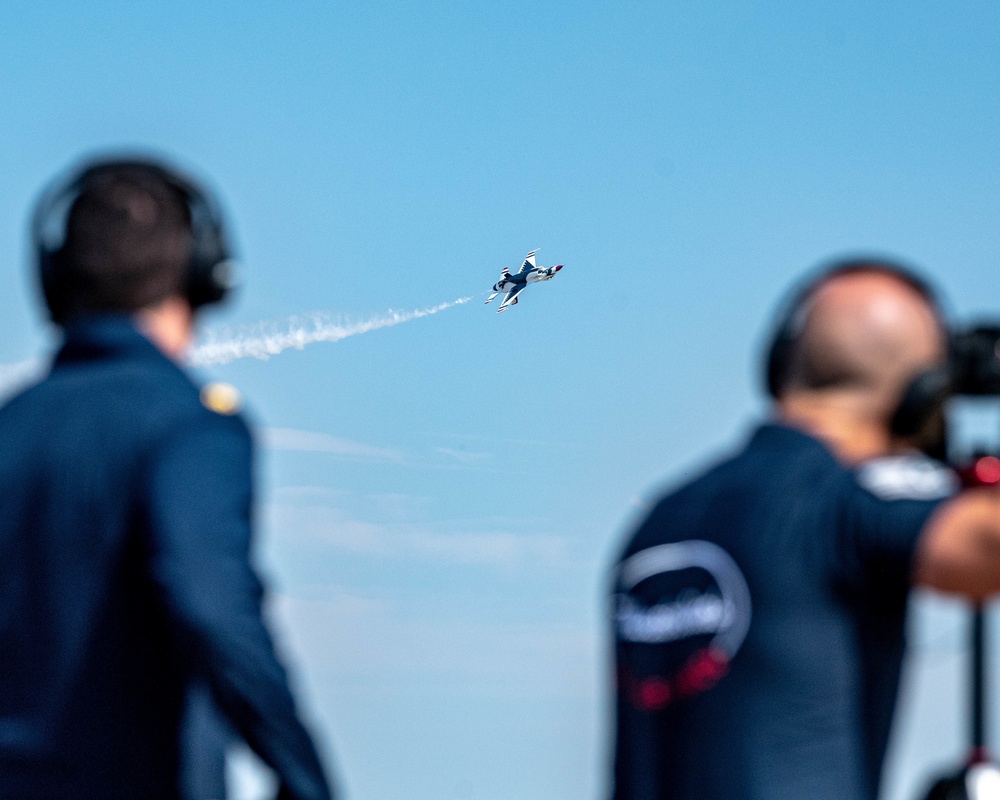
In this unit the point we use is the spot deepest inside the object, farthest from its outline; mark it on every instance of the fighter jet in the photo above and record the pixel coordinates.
(513, 285)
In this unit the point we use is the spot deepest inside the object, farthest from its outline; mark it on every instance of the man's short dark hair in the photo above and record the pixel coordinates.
(128, 242)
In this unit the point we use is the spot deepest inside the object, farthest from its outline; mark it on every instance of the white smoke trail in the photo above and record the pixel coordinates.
(267, 339)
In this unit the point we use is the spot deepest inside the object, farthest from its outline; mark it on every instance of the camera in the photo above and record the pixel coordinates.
(932, 412)
(975, 361)
(971, 383)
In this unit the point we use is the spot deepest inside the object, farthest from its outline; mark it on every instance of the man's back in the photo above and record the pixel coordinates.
(759, 631)
(126, 587)
(89, 660)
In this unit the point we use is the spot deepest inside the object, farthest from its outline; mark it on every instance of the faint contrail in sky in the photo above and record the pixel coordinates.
(266, 339)
(263, 340)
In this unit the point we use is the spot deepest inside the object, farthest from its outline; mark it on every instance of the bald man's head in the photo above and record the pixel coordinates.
(865, 333)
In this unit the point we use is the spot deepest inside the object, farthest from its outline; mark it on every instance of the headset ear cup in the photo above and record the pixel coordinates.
(48, 234)
(210, 277)
(56, 283)
(777, 362)
(923, 399)
(210, 282)
(48, 279)
(778, 356)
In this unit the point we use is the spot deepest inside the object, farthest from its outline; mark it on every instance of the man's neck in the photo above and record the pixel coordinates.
(169, 325)
(842, 422)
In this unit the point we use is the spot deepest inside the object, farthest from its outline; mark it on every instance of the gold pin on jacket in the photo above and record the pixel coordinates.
(221, 398)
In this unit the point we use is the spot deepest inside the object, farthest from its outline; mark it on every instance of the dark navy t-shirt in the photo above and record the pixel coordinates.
(758, 616)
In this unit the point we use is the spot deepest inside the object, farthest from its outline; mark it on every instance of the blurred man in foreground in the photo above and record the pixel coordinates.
(759, 609)
(125, 518)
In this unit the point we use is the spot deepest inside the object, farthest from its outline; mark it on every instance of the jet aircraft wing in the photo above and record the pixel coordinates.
(511, 297)
(529, 262)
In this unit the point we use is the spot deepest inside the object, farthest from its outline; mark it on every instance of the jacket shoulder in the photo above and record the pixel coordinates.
(148, 398)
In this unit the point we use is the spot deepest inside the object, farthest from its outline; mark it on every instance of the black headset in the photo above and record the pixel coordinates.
(210, 274)
(924, 395)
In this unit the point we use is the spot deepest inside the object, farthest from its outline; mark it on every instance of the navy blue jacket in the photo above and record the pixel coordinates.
(125, 526)
(759, 628)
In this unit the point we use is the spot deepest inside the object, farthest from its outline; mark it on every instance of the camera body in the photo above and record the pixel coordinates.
(973, 373)
(974, 361)
(925, 414)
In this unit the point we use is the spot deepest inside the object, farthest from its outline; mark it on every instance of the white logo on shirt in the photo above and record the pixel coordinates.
(725, 612)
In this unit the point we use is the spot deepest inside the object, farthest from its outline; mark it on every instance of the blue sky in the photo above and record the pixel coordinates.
(440, 500)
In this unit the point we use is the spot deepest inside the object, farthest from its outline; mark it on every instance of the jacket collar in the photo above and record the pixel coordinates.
(99, 337)
(775, 435)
